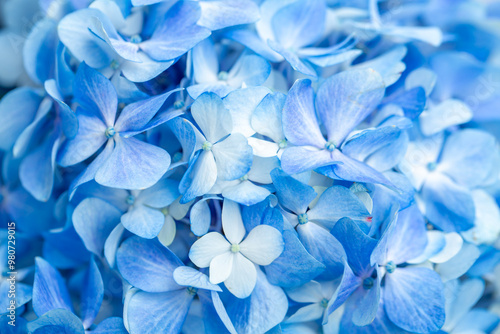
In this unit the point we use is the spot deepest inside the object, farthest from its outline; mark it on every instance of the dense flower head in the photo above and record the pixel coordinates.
(249, 166)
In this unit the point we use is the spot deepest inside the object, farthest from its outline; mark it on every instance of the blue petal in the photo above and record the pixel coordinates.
(190, 277)
(266, 119)
(56, 321)
(368, 301)
(249, 70)
(89, 173)
(300, 23)
(89, 138)
(408, 239)
(7, 328)
(17, 110)
(39, 49)
(300, 124)
(69, 121)
(293, 59)
(94, 92)
(459, 264)
(23, 294)
(49, 289)
(295, 266)
(324, 247)
(133, 164)
(447, 205)
(85, 46)
(352, 170)
(299, 159)
(199, 177)
(112, 325)
(92, 294)
(152, 313)
(411, 101)
(136, 115)
(233, 157)
(36, 171)
(217, 15)
(389, 65)
(177, 33)
(250, 39)
(143, 221)
(147, 265)
(292, 194)
(94, 219)
(347, 286)
(346, 99)
(241, 103)
(467, 157)
(335, 203)
(415, 291)
(357, 245)
(246, 314)
(200, 216)
(246, 193)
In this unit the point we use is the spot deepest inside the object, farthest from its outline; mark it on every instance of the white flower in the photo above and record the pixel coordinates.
(232, 261)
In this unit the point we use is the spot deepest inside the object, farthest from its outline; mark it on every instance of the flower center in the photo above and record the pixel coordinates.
(192, 291)
(244, 177)
(303, 218)
(179, 104)
(207, 146)
(110, 132)
(390, 267)
(330, 146)
(324, 303)
(283, 143)
(114, 65)
(368, 283)
(136, 39)
(177, 157)
(165, 211)
(431, 166)
(130, 200)
(235, 248)
(223, 75)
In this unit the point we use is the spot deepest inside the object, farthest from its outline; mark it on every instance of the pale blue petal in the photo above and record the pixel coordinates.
(147, 265)
(217, 15)
(152, 313)
(292, 194)
(94, 219)
(133, 164)
(415, 291)
(212, 117)
(200, 176)
(346, 99)
(300, 124)
(233, 157)
(143, 221)
(49, 289)
(177, 33)
(190, 277)
(17, 109)
(295, 266)
(56, 321)
(266, 119)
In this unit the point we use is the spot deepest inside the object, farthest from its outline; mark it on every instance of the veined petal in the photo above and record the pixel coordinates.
(188, 276)
(233, 157)
(300, 124)
(95, 93)
(346, 99)
(200, 176)
(298, 159)
(133, 164)
(212, 117)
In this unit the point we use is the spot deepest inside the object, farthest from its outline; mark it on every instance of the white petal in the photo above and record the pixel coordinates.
(220, 267)
(242, 280)
(167, 232)
(232, 224)
(263, 148)
(207, 247)
(262, 245)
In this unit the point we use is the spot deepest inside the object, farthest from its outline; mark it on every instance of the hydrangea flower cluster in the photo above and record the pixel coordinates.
(249, 166)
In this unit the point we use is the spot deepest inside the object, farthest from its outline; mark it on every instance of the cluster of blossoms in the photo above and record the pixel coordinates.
(247, 166)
